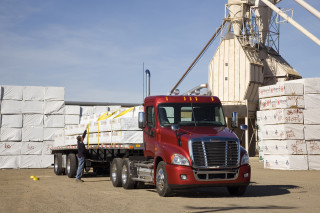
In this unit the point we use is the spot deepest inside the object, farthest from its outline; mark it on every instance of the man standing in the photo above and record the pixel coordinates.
(82, 152)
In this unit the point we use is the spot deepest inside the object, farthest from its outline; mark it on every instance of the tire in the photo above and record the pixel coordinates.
(127, 182)
(115, 172)
(58, 170)
(163, 188)
(71, 169)
(237, 190)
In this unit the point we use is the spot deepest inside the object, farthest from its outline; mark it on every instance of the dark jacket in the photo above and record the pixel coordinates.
(82, 151)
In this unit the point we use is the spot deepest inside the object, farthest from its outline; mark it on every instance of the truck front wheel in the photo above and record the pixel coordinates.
(71, 165)
(58, 170)
(115, 172)
(162, 185)
(127, 182)
(237, 190)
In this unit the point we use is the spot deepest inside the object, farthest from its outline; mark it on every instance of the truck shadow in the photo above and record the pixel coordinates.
(229, 208)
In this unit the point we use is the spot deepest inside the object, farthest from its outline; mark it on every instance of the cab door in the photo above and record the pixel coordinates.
(150, 138)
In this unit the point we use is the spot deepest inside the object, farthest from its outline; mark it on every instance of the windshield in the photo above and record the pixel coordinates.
(191, 114)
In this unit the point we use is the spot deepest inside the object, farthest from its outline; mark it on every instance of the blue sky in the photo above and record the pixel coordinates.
(95, 49)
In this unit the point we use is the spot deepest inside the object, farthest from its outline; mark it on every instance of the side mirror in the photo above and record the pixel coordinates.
(244, 127)
(234, 122)
(175, 127)
(141, 120)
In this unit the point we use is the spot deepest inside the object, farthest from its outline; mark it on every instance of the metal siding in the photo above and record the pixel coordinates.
(242, 70)
(216, 73)
(221, 70)
(231, 79)
(226, 70)
(236, 70)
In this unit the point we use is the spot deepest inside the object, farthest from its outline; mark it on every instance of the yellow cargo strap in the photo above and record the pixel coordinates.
(104, 116)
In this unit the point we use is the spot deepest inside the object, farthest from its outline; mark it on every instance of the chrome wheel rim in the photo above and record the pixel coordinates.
(68, 165)
(124, 175)
(55, 164)
(160, 179)
(114, 173)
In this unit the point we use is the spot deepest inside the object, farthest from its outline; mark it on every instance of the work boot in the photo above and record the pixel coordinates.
(79, 181)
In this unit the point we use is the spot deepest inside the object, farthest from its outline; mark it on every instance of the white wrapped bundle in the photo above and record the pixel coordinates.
(285, 147)
(86, 110)
(30, 161)
(283, 102)
(313, 147)
(282, 131)
(9, 162)
(286, 162)
(31, 93)
(54, 121)
(32, 134)
(312, 132)
(114, 108)
(100, 109)
(47, 161)
(311, 116)
(49, 133)
(72, 119)
(118, 137)
(10, 148)
(11, 134)
(314, 162)
(46, 148)
(33, 120)
(311, 85)
(11, 107)
(72, 110)
(286, 88)
(12, 92)
(32, 107)
(31, 148)
(312, 101)
(280, 116)
(54, 107)
(11, 120)
(59, 139)
(54, 94)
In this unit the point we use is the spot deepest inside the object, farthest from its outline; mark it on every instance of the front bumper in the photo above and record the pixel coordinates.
(175, 173)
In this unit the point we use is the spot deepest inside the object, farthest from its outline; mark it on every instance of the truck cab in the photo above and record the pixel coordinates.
(188, 144)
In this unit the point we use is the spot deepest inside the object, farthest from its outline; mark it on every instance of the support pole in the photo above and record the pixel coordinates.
(291, 21)
(308, 7)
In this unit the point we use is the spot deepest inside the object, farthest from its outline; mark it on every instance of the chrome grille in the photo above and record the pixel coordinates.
(215, 154)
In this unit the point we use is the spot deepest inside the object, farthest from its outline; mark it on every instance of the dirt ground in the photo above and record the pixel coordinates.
(270, 190)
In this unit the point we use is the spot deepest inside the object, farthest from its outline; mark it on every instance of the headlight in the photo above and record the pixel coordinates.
(245, 159)
(179, 160)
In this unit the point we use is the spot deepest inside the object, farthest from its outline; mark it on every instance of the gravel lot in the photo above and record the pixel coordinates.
(270, 190)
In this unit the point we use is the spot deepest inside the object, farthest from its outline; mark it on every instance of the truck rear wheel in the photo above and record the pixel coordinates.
(162, 185)
(237, 190)
(71, 165)
(115, 172)
(58, 170)
(127, 182)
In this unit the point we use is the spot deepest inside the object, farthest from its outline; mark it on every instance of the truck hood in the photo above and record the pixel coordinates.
(204, 131)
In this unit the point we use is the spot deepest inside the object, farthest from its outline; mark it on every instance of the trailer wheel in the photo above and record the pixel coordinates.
(162, 185)
(58, 170)
(127, 182)
(71, 165)
(237, 190)
(115, 172)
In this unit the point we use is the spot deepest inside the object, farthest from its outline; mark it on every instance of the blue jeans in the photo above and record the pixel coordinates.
(80, 168)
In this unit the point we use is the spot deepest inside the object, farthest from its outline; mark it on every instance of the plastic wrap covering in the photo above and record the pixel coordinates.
(312, 101)
(47, 161)
(281, 89)
(312, 132)
(286, 162)
(9, 162)
(72, 119)
(311, 85)
(31, 148)
(10, 148)
(46, 149)
(314, 162)
(311, 116)
(284, 147)
(72, 110)
(31, 93)
(30, 161)
(49, 133)
(280, 116)
(282, 132)
(32, 107)
(283, 102)
(33, 120)
(54, 94)
(54, 107)
(313, 147)
(59, 139)
(32, 134)
(11, 121)
(87, 110)
(10, 134)
(12, 92)
(100, 109)
(11, 107)
(54, 121)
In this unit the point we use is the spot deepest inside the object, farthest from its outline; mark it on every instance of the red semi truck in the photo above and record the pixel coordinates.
(186, 143)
